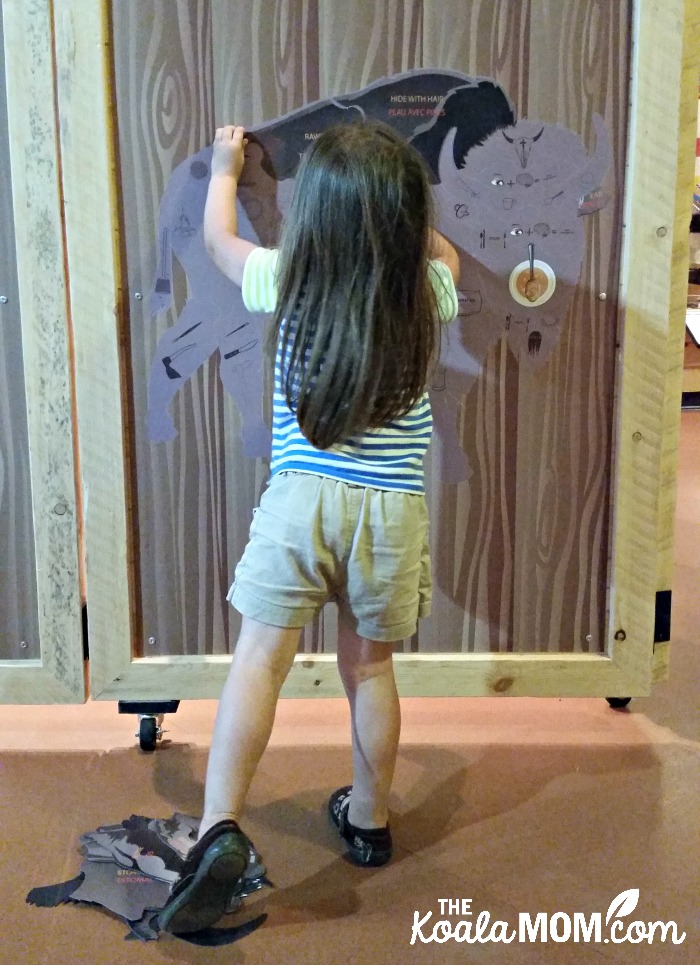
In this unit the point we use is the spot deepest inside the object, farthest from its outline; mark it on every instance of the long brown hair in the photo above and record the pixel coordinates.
(353, 281)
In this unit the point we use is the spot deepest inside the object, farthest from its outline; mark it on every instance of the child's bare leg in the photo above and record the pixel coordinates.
(367, 672)
(261, 661)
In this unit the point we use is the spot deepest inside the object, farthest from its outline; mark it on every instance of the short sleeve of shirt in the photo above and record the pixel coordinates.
(445, 291)
(259, 284)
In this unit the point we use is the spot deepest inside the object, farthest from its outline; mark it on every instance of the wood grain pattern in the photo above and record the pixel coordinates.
(363, 41)
(163, 60)
(563, 511)
(57, 673)
(569, 401)
(520, 550)
(100, 344)
(429, 675)
(19, 628)
(265, 58)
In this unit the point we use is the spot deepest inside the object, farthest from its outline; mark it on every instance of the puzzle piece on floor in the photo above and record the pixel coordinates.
(129, 868)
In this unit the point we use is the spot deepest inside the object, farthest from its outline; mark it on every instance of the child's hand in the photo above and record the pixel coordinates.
(228, 151)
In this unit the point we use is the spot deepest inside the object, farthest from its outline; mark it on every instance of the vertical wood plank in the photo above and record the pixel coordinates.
(85, 113)
(36, 200)
(360, 43)
(670, 433)
(654, 271)
(18, 599)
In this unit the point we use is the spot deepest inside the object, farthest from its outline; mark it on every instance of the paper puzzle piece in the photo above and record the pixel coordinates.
(129, 869)
(128, 893)
(49, 896)
(135, 844)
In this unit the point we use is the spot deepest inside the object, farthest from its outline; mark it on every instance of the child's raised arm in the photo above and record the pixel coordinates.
(442, 250)
(227, 250)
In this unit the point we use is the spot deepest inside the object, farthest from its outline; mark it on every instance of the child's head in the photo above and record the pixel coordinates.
(353, 274)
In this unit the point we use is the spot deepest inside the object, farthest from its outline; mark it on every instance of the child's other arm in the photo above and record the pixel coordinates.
(442, 250)
(226, 249)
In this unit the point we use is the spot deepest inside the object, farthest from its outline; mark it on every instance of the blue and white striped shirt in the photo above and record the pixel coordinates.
(387, 457)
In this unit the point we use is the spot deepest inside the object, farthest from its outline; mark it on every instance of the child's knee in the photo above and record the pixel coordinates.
(265, 646)
(366, 659)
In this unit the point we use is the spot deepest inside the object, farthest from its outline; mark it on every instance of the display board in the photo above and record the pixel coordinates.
(554, 425)
(520, 468)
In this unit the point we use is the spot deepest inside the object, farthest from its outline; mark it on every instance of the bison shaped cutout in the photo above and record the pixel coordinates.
(511, 195)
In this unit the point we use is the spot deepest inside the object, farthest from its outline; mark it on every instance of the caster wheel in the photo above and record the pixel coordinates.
(617, 703)
(148, 733)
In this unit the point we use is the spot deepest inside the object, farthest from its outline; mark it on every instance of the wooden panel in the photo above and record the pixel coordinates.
(19, 629)
(265, 58)
(195, 494)
(362, 41)
(496, 586)
(526, 560)
(491, 503)
(56, 674)
(654, 280)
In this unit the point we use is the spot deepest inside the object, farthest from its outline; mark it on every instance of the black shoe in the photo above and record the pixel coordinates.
(367, 846)
(211, 872)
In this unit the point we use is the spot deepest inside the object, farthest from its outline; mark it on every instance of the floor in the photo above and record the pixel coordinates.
(517, 805)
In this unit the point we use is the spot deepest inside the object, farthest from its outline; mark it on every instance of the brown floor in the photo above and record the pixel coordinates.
(521, 805)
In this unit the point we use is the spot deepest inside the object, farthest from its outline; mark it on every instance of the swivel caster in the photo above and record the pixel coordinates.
(150, 714)
(617, 703)
(150, 731)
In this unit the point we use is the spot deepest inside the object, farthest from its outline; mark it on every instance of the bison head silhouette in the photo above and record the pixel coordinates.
(515, 205)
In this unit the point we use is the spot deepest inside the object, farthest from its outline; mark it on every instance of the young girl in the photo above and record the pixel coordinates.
(358, 287)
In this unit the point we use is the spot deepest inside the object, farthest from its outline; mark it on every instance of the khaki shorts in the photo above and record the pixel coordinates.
(315, 539)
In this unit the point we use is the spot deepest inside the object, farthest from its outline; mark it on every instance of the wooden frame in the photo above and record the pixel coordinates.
(58, 675)
(662, 128)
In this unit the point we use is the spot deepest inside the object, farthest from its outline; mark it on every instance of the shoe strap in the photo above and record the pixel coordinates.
(215, 831)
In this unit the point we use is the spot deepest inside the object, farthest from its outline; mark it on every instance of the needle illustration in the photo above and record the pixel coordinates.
(532, 289)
